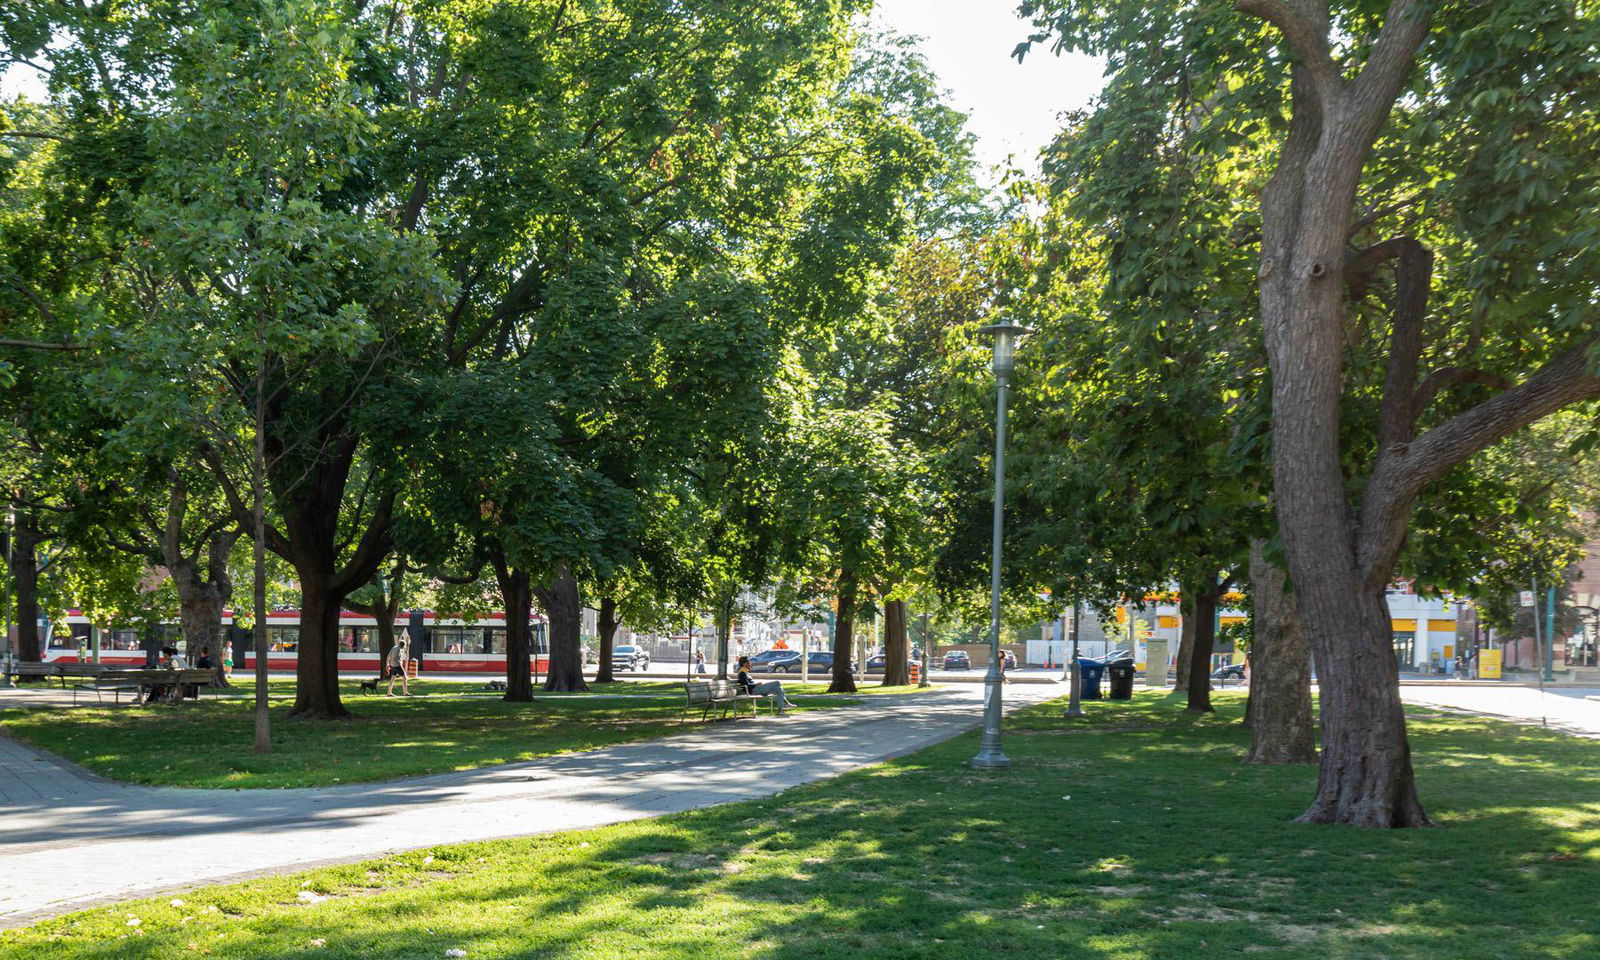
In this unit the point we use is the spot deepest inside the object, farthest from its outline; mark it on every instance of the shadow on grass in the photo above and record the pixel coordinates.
(1150, 842)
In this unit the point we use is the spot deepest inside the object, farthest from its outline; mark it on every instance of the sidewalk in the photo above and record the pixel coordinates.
(1568, 709)
(80, 840)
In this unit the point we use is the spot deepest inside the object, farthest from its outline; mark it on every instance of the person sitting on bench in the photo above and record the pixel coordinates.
(773, 688)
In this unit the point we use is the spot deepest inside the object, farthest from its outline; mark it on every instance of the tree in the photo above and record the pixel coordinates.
(1395, 268)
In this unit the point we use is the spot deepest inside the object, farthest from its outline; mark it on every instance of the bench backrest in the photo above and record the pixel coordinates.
(112, 677)
(699, 691)
(34, 669)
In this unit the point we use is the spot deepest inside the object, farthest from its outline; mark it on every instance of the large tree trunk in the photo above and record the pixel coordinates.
(1205, 637)
(202, 595)
(607, 623)
(896, 645)
(564, 609)
(516, 593)
(844, 631)
(25, 574)
(316, 692)
(1280, 670)
(1306, 212)
(1180, 662)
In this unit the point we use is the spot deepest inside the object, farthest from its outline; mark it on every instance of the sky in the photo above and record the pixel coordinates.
(1013, 108)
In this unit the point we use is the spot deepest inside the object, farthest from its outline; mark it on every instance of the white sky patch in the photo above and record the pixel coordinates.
(1014, 108)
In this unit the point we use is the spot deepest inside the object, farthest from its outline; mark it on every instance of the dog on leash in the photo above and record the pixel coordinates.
(370, 686)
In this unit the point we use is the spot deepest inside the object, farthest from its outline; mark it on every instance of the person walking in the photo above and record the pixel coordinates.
(699, 661)
(227, 658)
(399, 654)
(772, 688)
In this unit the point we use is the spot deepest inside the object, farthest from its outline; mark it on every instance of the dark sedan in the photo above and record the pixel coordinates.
(775, 661)
(1233, 671)
(817, 662)
(957, 660)
(880, 663)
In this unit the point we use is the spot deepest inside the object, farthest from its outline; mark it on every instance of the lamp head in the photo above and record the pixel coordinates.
(1005, 345)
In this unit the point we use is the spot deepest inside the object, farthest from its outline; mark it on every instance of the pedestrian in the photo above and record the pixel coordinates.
(399, 654)
(1005, 663)
(699, 661)
(227, 658)
(773, 688)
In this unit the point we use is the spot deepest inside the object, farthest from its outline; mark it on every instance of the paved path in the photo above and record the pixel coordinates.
(1563, 708)
(79, 840)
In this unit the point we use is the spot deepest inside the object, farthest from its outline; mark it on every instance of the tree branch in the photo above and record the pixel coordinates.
(1412, 280)
(1376, 88)
(1403, 471)
(1306, 33)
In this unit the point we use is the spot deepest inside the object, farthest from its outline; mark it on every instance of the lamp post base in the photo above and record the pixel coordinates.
(987, 761)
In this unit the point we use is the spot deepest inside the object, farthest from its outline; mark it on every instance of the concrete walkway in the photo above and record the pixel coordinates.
(71, 840)
(1565, 708)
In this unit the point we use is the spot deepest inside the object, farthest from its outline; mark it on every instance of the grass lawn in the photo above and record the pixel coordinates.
(427, 686)
(208, 743)
(1137, 834)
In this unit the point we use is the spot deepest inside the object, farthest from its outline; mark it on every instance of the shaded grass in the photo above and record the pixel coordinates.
(1134, 834)
(208, 743)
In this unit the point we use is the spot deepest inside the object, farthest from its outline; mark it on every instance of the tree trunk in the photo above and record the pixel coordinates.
(564, 609)
(316, 692)
(516, 593)
(608, 622)
(1280, 670)
(1180, 662)
(896, 645)
(25, 573)
(1205, 637)
(202, 596)
(723, 614)
(844, 635)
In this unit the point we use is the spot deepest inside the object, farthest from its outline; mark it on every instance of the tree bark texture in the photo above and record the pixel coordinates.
(607, 622)
(896, 645)
(1280, 670)
(844, 630)
(1180, 662)
(563, 607)
(516, 593)
(1307, 209)
(1205, 640)
(25, 575)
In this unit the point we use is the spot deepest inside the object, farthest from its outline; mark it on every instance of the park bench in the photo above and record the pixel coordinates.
(32, 671)
(139, 682)
(714, 694)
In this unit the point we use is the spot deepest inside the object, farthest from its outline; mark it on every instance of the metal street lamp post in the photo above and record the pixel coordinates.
(990, 756)
(924, 681)
(1075, 686)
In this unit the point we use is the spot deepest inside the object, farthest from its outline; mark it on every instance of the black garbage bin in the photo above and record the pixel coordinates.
(1121, 672)
(1091, 671)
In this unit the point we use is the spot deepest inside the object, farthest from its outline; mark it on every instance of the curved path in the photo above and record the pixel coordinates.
(70, 840)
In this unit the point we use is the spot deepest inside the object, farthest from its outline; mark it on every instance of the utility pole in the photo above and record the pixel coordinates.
(924, 681)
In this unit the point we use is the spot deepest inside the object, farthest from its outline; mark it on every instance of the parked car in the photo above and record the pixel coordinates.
(1232, 671)
(629, 658)
(880, 663)
(957, 660)
(817, 661)
(774, 661)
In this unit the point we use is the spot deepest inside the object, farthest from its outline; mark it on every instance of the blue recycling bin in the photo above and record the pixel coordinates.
(1091, 671)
